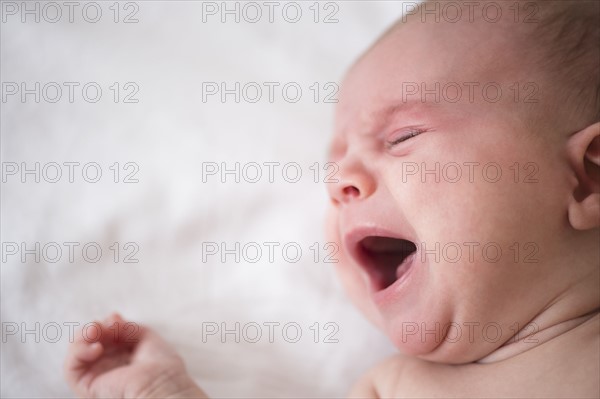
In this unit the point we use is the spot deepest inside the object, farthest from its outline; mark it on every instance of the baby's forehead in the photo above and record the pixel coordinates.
(453, 49)
(427, 68)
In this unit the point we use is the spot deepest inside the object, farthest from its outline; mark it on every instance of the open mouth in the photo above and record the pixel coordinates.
(386, 259)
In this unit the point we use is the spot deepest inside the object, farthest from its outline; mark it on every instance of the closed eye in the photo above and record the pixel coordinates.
(406, 136)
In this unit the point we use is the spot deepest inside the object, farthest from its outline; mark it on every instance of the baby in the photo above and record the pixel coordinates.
(467, 207)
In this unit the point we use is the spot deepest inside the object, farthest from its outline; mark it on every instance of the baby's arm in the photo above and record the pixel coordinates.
(126, 360)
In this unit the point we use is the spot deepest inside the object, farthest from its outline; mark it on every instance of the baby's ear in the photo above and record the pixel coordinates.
(584, 155)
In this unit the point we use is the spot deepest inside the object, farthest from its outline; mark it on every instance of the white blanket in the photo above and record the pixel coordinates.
(175, 214)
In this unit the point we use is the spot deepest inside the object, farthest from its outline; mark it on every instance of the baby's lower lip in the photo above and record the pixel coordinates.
(404, 267)
(404, 274)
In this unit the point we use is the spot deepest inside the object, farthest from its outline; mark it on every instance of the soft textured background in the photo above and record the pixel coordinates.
(170, 212)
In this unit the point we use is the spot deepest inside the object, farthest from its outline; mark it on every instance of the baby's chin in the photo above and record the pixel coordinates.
(410, 323)
(404, 334)
(442, 344)
(356, 289)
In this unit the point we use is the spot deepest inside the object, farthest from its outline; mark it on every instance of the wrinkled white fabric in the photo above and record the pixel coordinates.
(170, 212)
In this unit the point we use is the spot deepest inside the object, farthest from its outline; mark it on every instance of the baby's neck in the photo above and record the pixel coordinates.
(528, 338)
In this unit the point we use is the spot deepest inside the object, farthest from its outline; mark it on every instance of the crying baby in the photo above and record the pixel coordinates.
(467, 210)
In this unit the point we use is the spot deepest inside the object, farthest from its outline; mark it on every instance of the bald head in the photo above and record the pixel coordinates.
(552, 44)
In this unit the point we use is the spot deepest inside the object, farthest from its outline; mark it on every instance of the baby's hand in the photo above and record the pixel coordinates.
(126, 360)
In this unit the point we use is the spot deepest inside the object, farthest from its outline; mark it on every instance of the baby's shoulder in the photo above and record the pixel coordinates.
(406, 377)
(568, 371)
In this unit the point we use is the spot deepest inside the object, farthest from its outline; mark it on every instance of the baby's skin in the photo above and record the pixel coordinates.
(518, 319)
(126, 360)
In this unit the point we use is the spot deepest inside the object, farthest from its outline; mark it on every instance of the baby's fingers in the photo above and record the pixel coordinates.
(81, 354)
(121, 332)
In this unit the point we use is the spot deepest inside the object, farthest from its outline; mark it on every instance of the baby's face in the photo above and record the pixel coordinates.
(471, 200)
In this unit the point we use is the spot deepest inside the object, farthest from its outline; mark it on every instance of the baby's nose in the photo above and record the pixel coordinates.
(352, 182)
